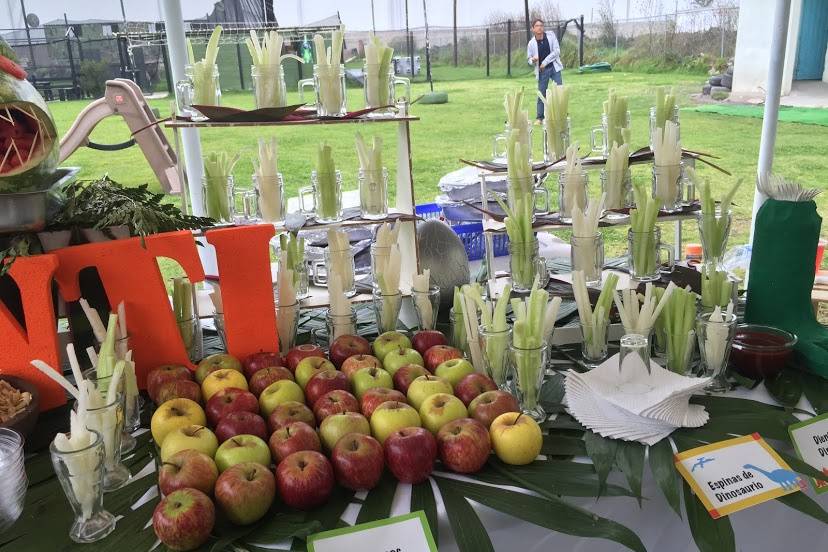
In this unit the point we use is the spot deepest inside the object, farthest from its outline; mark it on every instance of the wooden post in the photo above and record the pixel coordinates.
(509, 47)
(487, 51)
(581, 43)
(455, 33)
(239, 62)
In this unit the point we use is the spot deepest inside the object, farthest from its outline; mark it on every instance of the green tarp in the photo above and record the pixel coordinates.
(803, 115)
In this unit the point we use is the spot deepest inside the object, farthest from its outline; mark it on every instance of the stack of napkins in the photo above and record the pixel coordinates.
(631, 404)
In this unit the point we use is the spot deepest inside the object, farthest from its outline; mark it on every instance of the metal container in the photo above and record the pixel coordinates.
(26, 211)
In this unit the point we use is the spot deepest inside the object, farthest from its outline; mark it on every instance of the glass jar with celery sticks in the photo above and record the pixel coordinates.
(339, 324)
(586, 253)
(615, 125)
(572, 192)
(556, 140)
(329, 86)
(201, 86)
(556, 122)
(373, 179)
(387, 309)
(218, 186)
(679, 318)
(325, 192)
(287, 319)
(714, 221)
(105, 415)
(500, 144)
(341, 261)
(594, 321)
(495, 337)
(291, 255)
(644, 239)
(668, 186)
(664, 110)
(269, 89)
(717, 288)
(185, 308)
(426, 306)
(715, 331)
(526, 264)
(616, 180)
(528, 350)
(380, 88)
(270, 196)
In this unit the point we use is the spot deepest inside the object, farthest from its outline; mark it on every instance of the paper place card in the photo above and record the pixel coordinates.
(810, 439)
(408, 533)
(731, 475)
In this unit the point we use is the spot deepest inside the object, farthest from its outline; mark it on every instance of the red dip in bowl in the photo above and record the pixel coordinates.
(760, 351)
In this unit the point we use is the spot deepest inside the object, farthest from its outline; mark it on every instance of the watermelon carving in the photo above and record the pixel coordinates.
(28, 139)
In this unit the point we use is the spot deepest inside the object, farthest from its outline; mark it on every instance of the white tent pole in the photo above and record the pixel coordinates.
(773, 90)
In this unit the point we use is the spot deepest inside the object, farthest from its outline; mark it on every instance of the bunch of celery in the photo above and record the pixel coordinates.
(328, 198)
(267, 59)
(459, 336)
(329, 74)
(640, 319)
(528, 335)
(679, 317)
(421, 283)
(667, 156)
(378, 66)
(218, 168)
(388, 281)
(267, 180)
(594, 322)
(555, 115)
(493, 320)
(618, 130)
(204, 79)
(714, 224)
(293, 255)
(373, 195)
(339, 252)
(716, 287)
(615, 169)
(642, 223)
(585, 225)
(665, 106)
(286, 321)
(340, 308)
(183, 308)
(714, 347)
(573, 193)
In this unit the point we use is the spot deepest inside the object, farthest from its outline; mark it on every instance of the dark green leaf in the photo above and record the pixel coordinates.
(469, 533)
(602, 452)
(552, 393)
(630, 458)
(769, 426)
(663, 466)
(786, 387)
(801, 467)
(816, 390)
(328, 514)
(557, 445)
(722, 405)
(710, 535)
(422, 498)
(563, 421)
(281, 525)
(377, 504)
(805, 504)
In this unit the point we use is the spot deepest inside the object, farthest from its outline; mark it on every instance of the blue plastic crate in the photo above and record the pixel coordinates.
(471, 234)
(429, 211)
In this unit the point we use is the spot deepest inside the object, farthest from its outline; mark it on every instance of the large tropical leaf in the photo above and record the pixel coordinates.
(377, 505)
(804, 504)
(563, 445)
(422, 498)
(816, 391)
(469, 533)
(785, 387)
(602, 452)
(663, 466)
(281, 525)
(556, 477)
(710, 535)
(630, 458)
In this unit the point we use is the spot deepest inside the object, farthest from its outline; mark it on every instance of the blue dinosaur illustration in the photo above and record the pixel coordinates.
(700, 463)
(787, 479)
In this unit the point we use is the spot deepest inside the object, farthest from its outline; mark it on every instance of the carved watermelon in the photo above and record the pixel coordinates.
(28, 139)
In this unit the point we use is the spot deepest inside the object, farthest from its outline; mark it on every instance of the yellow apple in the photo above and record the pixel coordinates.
(279, 392)
(439, 409)
(195, 437)
(174, 414)
(516, 438)
(425, 386)
(221, 379)
(391, 416)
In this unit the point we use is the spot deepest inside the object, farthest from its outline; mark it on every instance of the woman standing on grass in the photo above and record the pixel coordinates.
(544, 53)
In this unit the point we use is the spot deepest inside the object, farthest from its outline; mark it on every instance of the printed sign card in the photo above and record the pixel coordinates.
(408, 533)
(731, 475)
(810, 439)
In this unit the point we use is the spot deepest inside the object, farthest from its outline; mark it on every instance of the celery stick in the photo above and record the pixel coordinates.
(328, 191)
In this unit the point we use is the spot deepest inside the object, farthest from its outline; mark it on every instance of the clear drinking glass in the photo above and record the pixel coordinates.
(373, 193)
(342, 262)
(108, 420)
(667, 186)
(13, 481)
(634, 348)
(325, 193)
(674, 116)
(269, 88)
(524, 264)
(187, 94)
(81, 475)
(555, 143)
(218, 322)
(495, 348)
(715, 340)
(132, 406)
(329, 86)
(680, 352)
(387, 310)
(586, 253)
(500, 143)
(529, 368)
(714, 229)
(190, 330)
(618, 189)
(426, 305)
(609, 135)
(643, 255)
(287, 322)
(219, 198)
(270, 196)
(340, 324)
(458, 331)
(380, 90)
(595, 343)
(569, 197)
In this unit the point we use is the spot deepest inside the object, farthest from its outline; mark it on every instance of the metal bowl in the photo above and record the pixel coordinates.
(23, 212)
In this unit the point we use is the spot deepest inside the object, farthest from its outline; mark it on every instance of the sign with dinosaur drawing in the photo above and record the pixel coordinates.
(810, 439)
(731, 475)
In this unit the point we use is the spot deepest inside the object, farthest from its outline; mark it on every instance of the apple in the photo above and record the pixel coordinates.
(346, 346)
(389, 341)
(290, 411)
(174, 414)
(454, 370)
(264, 377)
(335, 426)
(406, 374)
(369, 378)
(400, 357)
(242, 448)
(426, 339)
(516, 438)
(222, 379)
(202, 371)
(244, 492)
(187, 468)
(309, 367)
(392, 416)
(184, 519)
(438, 354)
(263, 359)
(292, 438)
(463, 445)
(302, 351)
(280, 392)
(161, 375)
(424, 386)
(473, 385)
(334, 402)
(355, 363)
(410, 454)
(358, 461)
(305, 479)
(196, 437)
(491, 404)
(230, 399)
(221, 361)
(439, 409)
(376, 396)
(324, 382)
(178, 389)
(239, 423)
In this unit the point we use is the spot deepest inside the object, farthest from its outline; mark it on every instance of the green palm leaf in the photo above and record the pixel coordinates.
(663, 466)
(377, 504)
(469, 533)
(630, 458)
(602, 452)
(804, 504)
(422, 498)
(786, 387)
(710, 535)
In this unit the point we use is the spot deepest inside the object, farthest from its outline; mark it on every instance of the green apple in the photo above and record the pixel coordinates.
(454, 370)
(389, 341)
(215, 362)
(399, 357)
(391, 416)
(194, 436)
(309, 367)
(439, 409)
(336, 426)
(242, 448)
(279, 392)
(369, 378)
(424, 386)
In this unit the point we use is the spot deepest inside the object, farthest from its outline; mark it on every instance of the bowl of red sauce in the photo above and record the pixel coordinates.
(761, 351)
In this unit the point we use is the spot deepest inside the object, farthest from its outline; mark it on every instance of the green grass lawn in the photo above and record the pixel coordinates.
(465, 127)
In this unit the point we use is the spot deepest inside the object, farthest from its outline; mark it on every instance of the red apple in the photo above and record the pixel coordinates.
(410, 453)
(334, 402)
(324, 382)
(227, 400)
(292, 438)
(240, 422)
(290, 411)
(376, 396)
(473, 385)
(265, 376)
(263, 359)
(245, 491)
(356, 363)
(438, 354)
(302, 351)
(168, 372)
(179, 389)
(358, 461)
(187, 468)
(184, 519)
(346, 346)
(406, 374)
(426, 339)
(463, 445)
(305, 479)
(491, 404)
